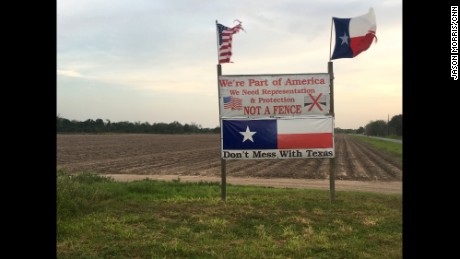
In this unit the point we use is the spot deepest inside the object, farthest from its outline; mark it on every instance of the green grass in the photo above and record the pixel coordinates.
(100, 218)
(386, 146)
(394, 137)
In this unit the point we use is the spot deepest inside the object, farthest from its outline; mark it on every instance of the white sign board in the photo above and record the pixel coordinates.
(265, 96)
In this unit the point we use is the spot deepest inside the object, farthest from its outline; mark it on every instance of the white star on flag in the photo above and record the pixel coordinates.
(247, 134)
(344, 38)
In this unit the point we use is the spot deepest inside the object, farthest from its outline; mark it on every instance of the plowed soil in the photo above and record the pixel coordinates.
(199, 155)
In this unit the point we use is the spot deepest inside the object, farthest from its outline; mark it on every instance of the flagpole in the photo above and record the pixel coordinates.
(330, 40)
(330, 70)
(223, 162)
(217, 37)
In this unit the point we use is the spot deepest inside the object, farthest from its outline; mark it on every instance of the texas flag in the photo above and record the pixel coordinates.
(354, 35)
(310, 132)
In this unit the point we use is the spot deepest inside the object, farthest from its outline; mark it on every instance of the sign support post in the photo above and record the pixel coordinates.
(223, 162)
(330, 70)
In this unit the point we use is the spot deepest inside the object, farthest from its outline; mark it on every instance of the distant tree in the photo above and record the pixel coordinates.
(99, 126)
(88, 126)
(350, 131)
(122, 127)
(108, 125)
(64, 125)
(160, 127)
(175, 127)
(196, 127)
(145, 127)
(344, 131)
(360, 130)
(216, 129)
(376, 128)
(395, 125)
(187, 128)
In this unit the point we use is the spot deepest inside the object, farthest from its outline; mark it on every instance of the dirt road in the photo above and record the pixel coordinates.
(340, 185)
(194, 156)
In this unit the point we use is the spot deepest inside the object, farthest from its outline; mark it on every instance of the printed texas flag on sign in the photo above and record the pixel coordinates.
(299, 133)
(354, 35)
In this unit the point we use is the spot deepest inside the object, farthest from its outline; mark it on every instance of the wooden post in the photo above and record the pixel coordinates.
(223, 176)
(223, 162)
(330, 70)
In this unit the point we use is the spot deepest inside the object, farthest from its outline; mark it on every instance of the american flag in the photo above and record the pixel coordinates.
(225, 41)
(233, 103)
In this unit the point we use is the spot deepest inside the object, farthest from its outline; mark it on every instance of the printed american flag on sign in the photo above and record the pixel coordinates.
(233, 103)
(225, 41)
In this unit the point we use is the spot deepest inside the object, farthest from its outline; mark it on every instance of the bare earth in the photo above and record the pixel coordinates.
(125, 157)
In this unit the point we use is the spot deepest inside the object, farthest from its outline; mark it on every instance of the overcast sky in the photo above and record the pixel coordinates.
(155, 60)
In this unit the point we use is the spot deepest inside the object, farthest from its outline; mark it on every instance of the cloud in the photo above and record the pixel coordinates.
(69, 73)
(163, 55)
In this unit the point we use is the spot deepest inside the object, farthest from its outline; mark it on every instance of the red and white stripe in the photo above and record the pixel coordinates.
(225, 50)
(315, 132)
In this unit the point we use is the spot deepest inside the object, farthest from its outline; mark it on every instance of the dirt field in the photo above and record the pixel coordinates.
(198, 155)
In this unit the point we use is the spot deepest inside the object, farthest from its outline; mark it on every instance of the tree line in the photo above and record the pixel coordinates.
(379, 128)
(373, 128)
(64, 125)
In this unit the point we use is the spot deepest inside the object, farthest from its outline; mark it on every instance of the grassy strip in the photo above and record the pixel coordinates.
(99, 218)
(386, 146)
(394, 137)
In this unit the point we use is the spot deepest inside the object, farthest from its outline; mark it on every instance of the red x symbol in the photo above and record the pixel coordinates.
(315, 101)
